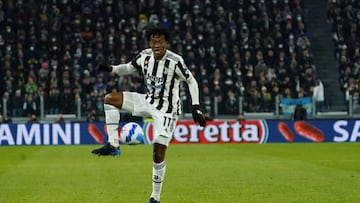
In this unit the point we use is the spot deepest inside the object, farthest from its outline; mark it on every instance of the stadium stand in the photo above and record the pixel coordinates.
(254, 49)
(345, 17)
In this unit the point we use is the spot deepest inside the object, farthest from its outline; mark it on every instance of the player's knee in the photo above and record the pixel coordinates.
(107, 99)
(113, 98)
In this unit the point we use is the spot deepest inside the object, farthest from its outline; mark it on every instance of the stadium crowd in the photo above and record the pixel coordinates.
(255, 49)
(345, 19)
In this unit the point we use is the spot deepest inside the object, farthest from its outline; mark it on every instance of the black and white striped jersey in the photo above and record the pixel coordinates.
(162, 79)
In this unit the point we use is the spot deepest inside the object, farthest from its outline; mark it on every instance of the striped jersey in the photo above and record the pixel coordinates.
(162, 79)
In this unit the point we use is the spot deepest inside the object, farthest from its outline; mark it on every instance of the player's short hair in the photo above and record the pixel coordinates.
(157, 30)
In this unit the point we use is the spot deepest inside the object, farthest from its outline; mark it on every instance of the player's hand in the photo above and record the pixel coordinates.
(105, 67)
(198, 116)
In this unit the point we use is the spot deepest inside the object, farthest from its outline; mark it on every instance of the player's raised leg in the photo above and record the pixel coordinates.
(112, 104)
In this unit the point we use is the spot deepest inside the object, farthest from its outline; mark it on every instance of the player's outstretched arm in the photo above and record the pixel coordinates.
(121, 69)
(105, 67)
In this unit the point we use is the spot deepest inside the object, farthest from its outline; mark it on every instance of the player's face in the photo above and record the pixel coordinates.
(159, 45)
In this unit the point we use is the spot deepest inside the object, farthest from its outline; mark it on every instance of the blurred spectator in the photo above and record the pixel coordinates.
(252, 101)
(356, 102)
(319, 95)
(303, 42)
(100, 105)
(299, 113)
(53, 101)
(92, 116)
(5, 119)
(29, 107)
(207, 102)
(59, 119)
(100, 85)
(6, 102)
(17, 104)
(67, 101)
(267, 104)
(33, 119)
(8, 82)
(231, 104)
(240, 117)
(31, 85)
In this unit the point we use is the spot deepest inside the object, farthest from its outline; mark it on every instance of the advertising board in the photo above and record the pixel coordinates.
(187, 132)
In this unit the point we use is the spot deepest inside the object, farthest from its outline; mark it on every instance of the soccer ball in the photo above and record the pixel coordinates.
(132, 133)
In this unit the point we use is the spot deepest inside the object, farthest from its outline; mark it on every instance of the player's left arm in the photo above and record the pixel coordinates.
(197, 114)
(186, 75)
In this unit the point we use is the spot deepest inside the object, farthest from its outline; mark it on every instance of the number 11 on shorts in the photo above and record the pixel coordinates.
(168, 123)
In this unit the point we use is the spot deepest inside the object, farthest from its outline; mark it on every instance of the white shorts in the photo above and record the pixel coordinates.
(164, 123)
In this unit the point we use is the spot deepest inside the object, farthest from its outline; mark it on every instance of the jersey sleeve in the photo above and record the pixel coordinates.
(128, 68)
(135, 62)
(182, 71)
(184, 74)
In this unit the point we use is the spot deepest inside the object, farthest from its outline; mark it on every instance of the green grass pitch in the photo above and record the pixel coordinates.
(297, 172)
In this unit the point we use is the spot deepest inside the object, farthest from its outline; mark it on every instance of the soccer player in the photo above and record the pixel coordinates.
(163, 70)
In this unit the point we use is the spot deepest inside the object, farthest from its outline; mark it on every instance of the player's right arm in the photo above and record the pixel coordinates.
(121, 69)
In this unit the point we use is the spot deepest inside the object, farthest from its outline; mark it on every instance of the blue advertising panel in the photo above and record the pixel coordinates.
(314, 131)
(54, 133)
(187, 132)
(49, 134)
